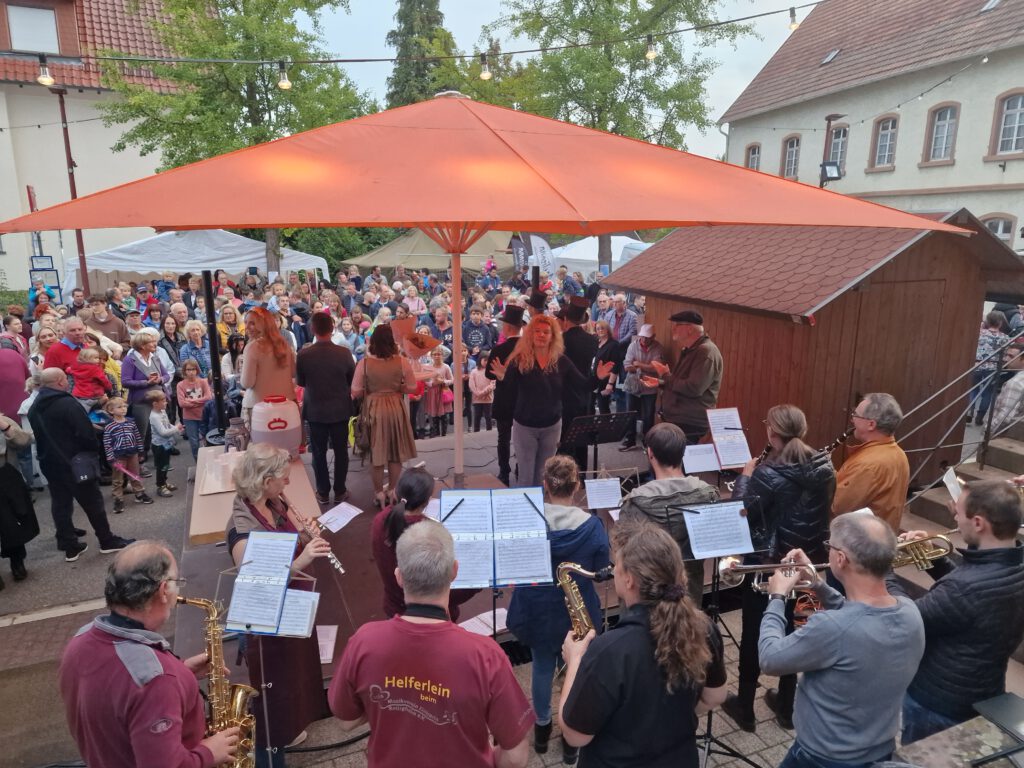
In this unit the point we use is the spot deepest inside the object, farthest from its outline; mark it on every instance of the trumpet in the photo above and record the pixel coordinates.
(313, 528)
(923, 552)
(731, 573)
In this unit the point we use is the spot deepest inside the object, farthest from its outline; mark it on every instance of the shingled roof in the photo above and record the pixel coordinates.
(876, 39)
(790, 271)
(103, 25)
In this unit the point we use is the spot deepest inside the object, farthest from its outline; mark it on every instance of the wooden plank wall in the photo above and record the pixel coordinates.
(908, 330)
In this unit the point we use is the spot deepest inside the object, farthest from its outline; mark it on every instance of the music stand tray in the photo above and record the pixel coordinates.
(599, 428)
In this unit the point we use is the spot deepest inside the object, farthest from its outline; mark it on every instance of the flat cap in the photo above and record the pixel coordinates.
(688, 316)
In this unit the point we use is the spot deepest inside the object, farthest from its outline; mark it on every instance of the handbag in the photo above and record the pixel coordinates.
(85, 466)
(447, 396)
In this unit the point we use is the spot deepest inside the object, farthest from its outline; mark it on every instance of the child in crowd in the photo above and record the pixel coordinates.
(28, 461)
(92, 387)
(123, 445)
(437, 402)
(165, 435)
(193, 393)
(163, 287)
(483, 393)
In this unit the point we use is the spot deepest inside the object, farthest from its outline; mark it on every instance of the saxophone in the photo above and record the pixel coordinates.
(581, 623)
(229, 704)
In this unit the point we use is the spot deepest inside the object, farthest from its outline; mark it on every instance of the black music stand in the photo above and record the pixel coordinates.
(599, 428)
(713, 745)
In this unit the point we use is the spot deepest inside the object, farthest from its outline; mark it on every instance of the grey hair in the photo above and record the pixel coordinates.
(136, 573)
(868, 540)
(261, 461)
(426, 554)
(884, 411)
(195, 324)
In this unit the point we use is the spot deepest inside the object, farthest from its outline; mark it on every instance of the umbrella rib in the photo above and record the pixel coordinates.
(582, 219)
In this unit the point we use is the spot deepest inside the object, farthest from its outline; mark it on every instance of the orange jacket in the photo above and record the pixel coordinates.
(875, 475)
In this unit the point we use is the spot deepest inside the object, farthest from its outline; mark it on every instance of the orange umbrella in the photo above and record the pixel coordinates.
(456, 168)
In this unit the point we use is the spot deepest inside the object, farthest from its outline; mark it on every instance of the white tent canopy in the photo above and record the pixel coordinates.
(187, 251)
(581, 255)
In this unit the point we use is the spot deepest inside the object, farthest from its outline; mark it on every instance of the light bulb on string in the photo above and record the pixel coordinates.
(44, 77)
(793, 23)
(652, 51)
(984, 59)
(485, 69)
(282, 77)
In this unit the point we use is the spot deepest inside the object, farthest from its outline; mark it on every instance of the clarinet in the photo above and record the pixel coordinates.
(312, 529)
(763, 455)
(838, 441)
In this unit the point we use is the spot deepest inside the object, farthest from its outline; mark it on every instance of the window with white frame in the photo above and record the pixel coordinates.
(837, 151)
(754, 157)
(885, 142)
(791, 157)
(1011, 126)
(33, 29)
(1001, 228)
(943, 133)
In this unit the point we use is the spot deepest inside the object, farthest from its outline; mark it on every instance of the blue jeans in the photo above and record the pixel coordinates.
(920, 722)
(801, 757)
(983, 392)
(540, 685)
(193, 430)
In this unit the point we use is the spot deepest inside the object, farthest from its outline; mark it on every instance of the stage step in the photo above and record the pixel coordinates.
(1006, 454)
(932, 506)
(1016, 432)
(972, 471)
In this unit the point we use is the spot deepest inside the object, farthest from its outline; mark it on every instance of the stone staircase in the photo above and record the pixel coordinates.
(930, 511)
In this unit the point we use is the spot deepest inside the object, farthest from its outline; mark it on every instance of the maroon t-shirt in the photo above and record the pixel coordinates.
(432, 691)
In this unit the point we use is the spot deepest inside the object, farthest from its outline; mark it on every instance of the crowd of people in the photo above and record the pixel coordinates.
(871, 660)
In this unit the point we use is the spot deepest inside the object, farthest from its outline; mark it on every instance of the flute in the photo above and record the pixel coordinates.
(312, 528)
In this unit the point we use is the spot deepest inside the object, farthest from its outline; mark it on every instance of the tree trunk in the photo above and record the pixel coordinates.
(273, 251)
(604, 252)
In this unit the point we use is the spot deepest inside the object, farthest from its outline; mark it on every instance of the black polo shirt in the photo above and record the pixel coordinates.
(619, 696)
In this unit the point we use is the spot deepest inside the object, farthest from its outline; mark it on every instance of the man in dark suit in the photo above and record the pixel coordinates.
(580, 348)
(504, 392)
(325, 370)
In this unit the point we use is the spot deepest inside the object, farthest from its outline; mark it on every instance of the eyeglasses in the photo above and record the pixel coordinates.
(855, 415)
(180, 582)
(829, 545)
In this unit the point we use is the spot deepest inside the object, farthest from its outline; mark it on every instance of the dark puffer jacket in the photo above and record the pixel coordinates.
(973, 620)
(788, 506)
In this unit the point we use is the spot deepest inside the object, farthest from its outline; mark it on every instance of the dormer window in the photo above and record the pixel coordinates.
(33, 29)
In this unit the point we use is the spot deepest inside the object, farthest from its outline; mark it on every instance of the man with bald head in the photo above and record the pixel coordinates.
(128, 700)
(65, 352)
(63, 431)
(857, 657)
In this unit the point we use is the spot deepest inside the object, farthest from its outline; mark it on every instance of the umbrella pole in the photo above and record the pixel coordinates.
(460, 473)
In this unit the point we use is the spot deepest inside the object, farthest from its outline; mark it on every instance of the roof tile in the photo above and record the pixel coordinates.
(876, 40)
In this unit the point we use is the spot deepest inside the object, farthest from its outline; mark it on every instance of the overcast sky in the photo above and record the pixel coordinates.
(361, 34)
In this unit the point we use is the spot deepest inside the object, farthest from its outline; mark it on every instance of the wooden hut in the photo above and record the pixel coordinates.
(819, 316)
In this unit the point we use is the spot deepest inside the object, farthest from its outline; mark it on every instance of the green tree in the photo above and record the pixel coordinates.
(612, 86)
(205, 110)
(514, 82)
(418, 35)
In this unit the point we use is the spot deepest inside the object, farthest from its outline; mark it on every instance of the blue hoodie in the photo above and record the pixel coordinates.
(537, 615)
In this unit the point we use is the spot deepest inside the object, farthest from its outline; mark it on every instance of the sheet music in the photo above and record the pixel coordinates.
(266, 553)
(718, 530)
(522, 560)
(483, 624)
(326, 637)
(952, 483)
(727, 435)
(470, 511)
(476, 562)
(603, 493)
(433, 509)
(700, 458)
(338, 517)
(256, 602)
(298, 614)
(518, 510)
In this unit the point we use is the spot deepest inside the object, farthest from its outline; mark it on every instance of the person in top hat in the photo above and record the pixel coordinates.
(691, 385)
(505, 393)
(537, 301)
(580, 348)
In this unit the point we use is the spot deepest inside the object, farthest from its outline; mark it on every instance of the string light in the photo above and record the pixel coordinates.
(793, 23)
(44, 77)
(485, 69)
(282, 77)
(984, 60)
(652, 52)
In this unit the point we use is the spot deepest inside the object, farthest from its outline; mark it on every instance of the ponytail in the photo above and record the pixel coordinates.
(679, 628)
(414, 490)
(790, 425)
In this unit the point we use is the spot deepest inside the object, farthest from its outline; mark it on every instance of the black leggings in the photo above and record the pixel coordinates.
(482, 410)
